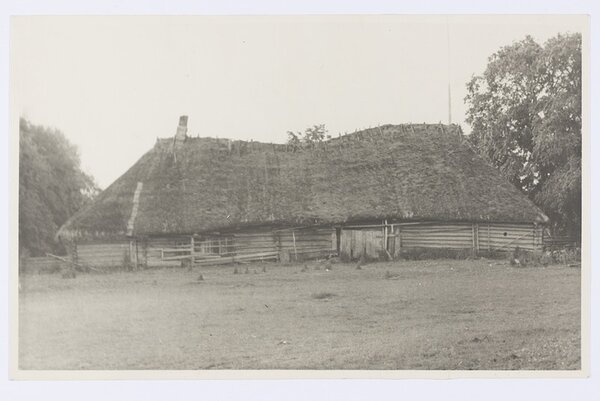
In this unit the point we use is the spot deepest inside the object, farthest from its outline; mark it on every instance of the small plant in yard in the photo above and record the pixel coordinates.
(390, 276)
(515, 259)
(323, 295)
(235, 270)
(69, 274)
(567, 257)
(186, 263)
(200, 278)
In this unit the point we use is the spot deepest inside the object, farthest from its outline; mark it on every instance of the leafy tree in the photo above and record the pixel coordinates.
(525, 114)
(315, 134)
(52, 186)
(310, 137)
(294, 140)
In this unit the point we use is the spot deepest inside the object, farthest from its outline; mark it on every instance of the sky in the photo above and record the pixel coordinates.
(113, 85)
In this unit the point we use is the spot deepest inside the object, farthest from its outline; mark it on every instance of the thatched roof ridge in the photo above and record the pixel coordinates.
(401, 172)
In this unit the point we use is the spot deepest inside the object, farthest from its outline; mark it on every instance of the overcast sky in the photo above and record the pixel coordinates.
(113, 85)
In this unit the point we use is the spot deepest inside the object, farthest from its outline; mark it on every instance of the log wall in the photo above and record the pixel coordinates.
(103, 254)
(303, 244)
(369, 240)
(508, 236)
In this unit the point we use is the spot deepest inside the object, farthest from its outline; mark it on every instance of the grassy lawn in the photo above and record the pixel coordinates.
(442, 314)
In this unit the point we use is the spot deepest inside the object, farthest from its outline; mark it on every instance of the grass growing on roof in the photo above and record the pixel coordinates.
(405, 172)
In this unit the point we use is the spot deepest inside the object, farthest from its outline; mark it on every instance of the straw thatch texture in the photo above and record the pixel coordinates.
(403, 172)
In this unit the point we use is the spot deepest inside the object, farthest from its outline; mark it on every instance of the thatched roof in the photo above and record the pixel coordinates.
(394, 172)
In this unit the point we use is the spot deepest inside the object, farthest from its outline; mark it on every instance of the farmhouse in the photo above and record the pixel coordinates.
(375, 193)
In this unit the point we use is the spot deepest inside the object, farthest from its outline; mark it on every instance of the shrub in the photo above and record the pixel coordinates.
(126, 263)
(323, 295)
(390, 276)
(561, 256)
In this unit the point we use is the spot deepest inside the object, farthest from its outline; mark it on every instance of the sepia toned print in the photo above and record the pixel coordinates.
(365, 242)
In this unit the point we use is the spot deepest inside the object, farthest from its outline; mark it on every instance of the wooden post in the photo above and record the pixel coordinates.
(474, 229)
(393, 248)
(384, 235)
(74, 255)
(137, 264)
(295, 250)
(192, 251)
(145, 253)
(131, 254)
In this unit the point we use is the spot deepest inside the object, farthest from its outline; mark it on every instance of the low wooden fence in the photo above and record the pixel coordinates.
(561, 242)
(40, 265)
(285, 245)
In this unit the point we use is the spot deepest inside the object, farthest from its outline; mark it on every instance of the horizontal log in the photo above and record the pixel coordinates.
(265, 235)
(307, 244)
(176, 250)
(237, 258)
(115, 257)
(205, 256)
(500, 237)
(247, 246)
(485, 231)
(105, 252)
(104, 245)
(441, 236)
(182, 257)
(102, 255)
(436, 239)
(310, 250)
(450, 246)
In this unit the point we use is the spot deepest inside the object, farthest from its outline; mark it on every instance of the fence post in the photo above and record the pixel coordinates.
(192, 250)
(74, 255)
(295, 250)
(475, 231)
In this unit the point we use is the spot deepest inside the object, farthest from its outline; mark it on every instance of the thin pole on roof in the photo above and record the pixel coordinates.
(448, 60)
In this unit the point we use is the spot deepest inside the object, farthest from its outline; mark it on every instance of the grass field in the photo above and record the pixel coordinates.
(443, 314)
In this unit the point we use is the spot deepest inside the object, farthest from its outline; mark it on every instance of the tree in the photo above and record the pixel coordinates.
(525, 114)
(294, 140)
(52, 186)
(313, 135)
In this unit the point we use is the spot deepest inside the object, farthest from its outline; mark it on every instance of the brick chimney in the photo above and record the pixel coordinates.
(181, 128)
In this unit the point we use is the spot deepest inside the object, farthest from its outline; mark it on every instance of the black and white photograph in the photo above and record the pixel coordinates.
(387, 195)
